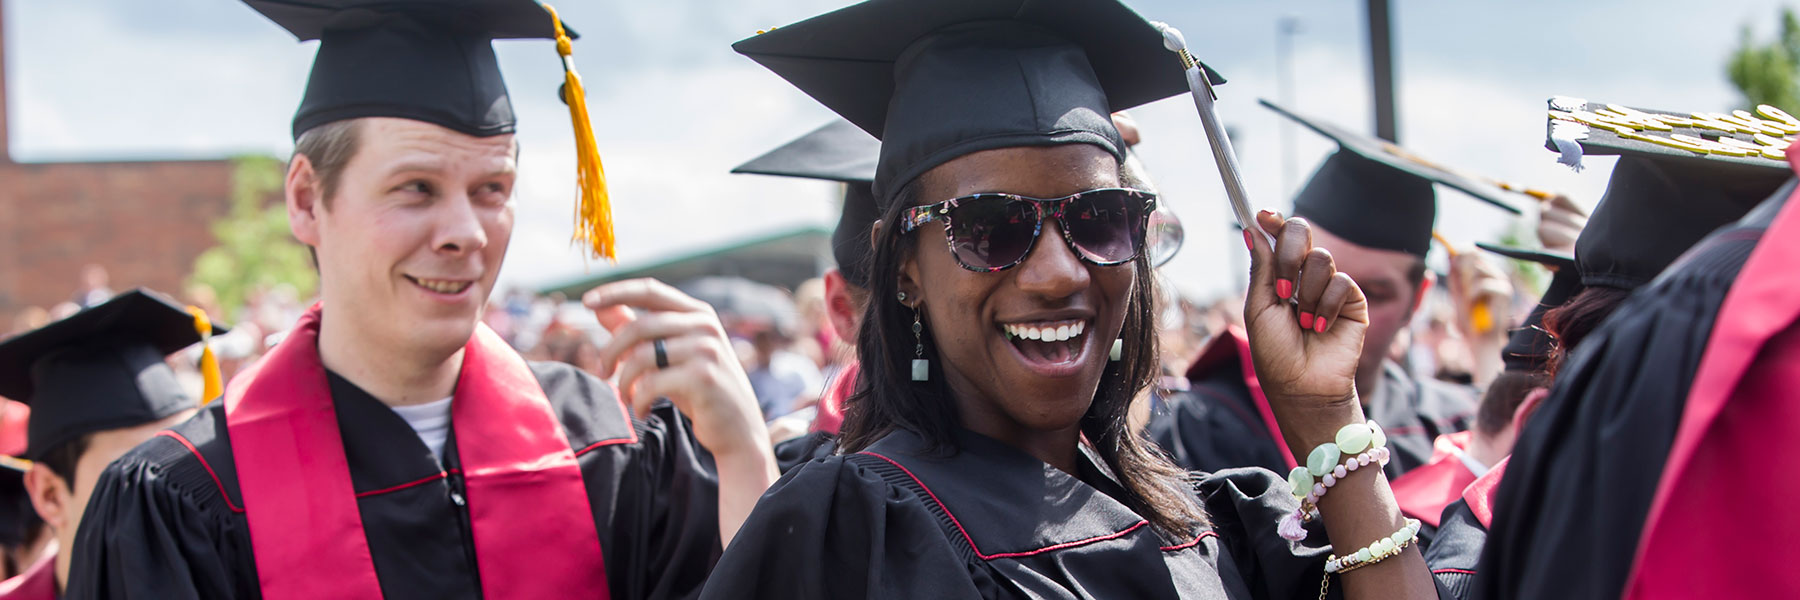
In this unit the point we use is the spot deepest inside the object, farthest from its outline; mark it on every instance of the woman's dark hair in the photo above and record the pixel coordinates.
(887, 399)
(1578, 317)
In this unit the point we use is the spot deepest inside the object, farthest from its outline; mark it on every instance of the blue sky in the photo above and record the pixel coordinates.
(675, 108)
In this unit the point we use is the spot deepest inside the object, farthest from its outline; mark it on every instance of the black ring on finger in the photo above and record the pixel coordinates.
(662, 353)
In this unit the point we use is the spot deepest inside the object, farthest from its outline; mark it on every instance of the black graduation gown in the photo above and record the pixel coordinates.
(990, 521)
(794, 452)
(1456, 551)
(1584, 470)
(1216, 424)
(166, 522)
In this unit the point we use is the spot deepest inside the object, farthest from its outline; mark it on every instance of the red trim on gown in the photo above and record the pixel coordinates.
(1234, 345)
(532, 526)
(1719, 526)
(1425, 491)
(36, 583)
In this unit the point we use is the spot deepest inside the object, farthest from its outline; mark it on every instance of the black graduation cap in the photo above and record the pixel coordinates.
(1662, 198)
(99, 369)
(837, 151)
(433, 61)
(1374, 193)
(1529, 347)
(940, 79)
(426, 60)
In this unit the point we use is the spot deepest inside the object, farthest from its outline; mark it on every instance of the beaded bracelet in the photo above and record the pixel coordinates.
(1365, 441)
(1382, 549)
(1291, 528)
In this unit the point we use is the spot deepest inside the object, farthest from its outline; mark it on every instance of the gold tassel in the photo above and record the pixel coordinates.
(209, 364)
(593, 212)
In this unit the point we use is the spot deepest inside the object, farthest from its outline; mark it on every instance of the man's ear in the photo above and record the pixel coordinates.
(305, 200)
(1425, 284)
(841, 309)
(49, 494)
(1527, 406)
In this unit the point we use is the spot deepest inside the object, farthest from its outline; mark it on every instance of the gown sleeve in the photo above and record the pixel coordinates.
(664, 513)
(145, 535)
(1244, 506)
(836, 529)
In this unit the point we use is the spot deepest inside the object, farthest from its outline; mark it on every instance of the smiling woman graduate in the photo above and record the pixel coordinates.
(987, 451)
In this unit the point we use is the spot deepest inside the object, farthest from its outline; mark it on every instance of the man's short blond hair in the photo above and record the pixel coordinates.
(330, 148)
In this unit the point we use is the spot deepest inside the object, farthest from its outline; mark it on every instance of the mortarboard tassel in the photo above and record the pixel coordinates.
(209, 364)
(1200, 87)
(593, 213)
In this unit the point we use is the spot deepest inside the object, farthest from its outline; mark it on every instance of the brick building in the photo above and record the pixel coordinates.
(143, 220)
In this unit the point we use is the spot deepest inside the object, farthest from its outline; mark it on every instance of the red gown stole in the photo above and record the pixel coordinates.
(37, 582)
(533, 527)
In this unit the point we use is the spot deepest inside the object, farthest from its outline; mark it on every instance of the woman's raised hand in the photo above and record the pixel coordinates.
(1306, 323)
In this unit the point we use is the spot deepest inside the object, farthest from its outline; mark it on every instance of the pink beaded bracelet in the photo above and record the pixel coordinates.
(1366, 438)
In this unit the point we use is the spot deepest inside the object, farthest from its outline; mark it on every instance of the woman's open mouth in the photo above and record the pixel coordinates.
(1052, 348)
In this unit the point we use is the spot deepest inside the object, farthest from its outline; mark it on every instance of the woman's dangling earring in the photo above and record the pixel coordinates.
(921, 368)
(1118, 349)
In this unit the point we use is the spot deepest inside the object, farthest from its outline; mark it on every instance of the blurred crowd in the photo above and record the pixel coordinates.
(791, 351)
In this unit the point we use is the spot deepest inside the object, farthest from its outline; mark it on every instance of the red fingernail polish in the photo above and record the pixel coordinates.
(1284, 288)
(1320, 326)
(1306, 320)
(1248, 245)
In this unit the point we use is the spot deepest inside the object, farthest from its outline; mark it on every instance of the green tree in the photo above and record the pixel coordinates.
(255, 248)
(1769, 72)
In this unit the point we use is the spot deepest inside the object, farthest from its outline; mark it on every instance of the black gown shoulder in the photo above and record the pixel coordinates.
(1584, 471)
(990, 522)
(166, 520)
(1455, 554)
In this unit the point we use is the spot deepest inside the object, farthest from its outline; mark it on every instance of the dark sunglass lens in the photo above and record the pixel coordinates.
(1107, 226)
(989, 232)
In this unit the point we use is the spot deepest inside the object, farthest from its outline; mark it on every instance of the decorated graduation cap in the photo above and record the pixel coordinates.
(1374, 193)
(433, 61)
(837, 151)
(1668, 190)
(1529, 347)
(935, 80)
(99, 369)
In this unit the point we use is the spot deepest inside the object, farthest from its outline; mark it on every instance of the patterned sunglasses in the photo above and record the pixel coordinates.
(994, 232)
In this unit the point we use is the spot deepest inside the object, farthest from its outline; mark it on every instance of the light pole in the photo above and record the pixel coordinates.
(1285, 29)
(1381, 67)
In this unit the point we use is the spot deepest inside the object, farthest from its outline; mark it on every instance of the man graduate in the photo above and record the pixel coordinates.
(1653, 468)
(1371, 205)
(98, 385)
(390, 445)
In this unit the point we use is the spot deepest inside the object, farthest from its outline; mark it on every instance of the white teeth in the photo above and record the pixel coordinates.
(443, 286)
(1059, 333)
